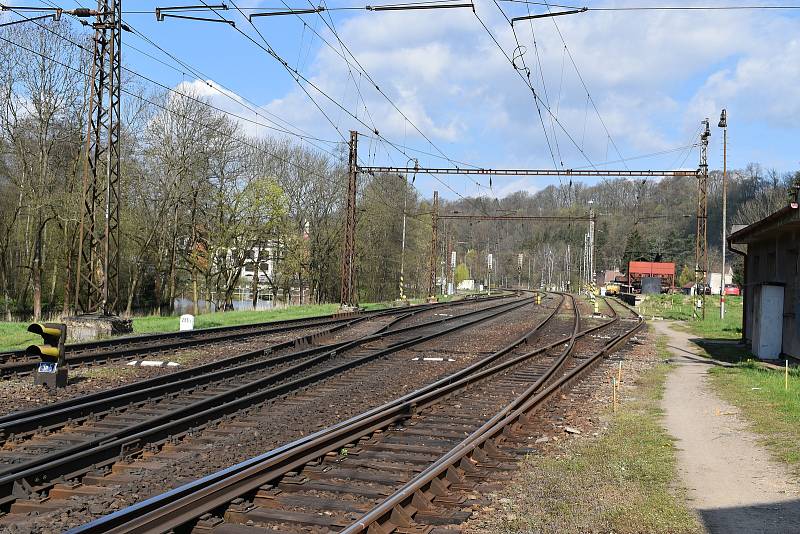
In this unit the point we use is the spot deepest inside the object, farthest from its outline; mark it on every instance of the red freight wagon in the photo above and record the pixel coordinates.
(639, 269)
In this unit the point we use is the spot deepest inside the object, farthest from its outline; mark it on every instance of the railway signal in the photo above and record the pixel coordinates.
(52, 370)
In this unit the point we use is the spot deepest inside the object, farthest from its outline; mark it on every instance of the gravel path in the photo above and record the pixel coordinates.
(734, 485)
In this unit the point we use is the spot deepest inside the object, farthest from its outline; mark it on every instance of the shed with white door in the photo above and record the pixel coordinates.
(771, 250)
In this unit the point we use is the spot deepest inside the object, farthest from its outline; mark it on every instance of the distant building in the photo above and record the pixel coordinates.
(714, 281)
(466, 285)
(771, 282)
(607, 277)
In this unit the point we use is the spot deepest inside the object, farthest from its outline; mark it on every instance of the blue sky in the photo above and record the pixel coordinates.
(651, 75)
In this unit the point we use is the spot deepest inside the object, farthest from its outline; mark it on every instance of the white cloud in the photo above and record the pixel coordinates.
(652, 75)
(522, 184)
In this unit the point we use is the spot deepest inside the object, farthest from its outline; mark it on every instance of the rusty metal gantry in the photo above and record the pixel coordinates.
(434, 245)
(97, 280)
(701, 237)
(354, 169)
(349, 241)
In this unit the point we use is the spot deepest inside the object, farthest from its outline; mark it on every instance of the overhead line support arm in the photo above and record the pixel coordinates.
(529, 172)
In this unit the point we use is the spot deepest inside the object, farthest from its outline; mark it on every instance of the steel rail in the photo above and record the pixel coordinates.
(40, 473)
(176, 507)
(93, 352)
(77, 408)
(514, 413)
(181, 504)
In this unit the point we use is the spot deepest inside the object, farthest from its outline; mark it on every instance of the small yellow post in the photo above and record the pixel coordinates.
(614, 393)
(786, 376)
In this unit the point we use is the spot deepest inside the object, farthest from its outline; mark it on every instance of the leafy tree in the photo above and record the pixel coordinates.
(461, 273)
(686, 276)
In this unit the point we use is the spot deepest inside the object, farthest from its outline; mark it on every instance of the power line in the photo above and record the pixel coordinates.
(527, 82)
(371, 7)
(243, 141)
(658, 8)
(255, 108)
(198, 74)
(371, 80)
(306, 138)
(297, 76)
(528, 72)
(586, 88)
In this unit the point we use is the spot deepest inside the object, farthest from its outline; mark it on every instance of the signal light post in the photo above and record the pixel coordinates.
(52, 370)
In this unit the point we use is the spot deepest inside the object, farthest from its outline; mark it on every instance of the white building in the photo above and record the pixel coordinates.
(713, 281)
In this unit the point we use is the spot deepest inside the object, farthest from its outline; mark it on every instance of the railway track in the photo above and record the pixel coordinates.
(18, 363)
(68, 441)
(406, 466)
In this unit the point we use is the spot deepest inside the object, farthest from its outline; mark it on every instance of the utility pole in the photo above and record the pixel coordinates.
(723, 123)
(701, 238)
(403, 241)
(453, 261)
(448, 250)
(97, 276)
(348, 251)
(529, 271)
(568, 261)
(591, 244)
(434, 246)
(489, 265)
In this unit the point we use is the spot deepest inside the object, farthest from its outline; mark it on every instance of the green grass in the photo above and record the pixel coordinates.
(680, 307)
(621, 482)
(772, 411)
(153, 324)
(15, 336)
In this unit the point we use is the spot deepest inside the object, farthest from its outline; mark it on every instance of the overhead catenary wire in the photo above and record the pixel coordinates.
(305, 137)
(380, 91)
(527, 82)
(527, 78)
(660, 8)
(241, 140)
(585, 87)
(298, 76)
(544, 85)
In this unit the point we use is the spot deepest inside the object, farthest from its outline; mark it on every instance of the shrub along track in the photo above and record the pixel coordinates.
(16, 363)
(402, 467)
(124, 426)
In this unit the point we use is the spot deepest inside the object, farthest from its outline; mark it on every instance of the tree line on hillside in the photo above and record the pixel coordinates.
(201, 199)
(643, 220)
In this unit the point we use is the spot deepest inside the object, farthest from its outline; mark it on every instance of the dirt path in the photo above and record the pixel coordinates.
(733, 484)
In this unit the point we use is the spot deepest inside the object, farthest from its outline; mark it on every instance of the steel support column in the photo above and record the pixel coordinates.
(97, 282)
(434, 246)
(701, 237)
(348, 248)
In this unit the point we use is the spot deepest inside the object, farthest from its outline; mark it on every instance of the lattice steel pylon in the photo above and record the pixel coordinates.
(97, 285)
(349, 246)
(701, 238)
(434, 246)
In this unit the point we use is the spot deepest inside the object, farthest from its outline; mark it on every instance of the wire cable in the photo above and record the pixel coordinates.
(243, 141)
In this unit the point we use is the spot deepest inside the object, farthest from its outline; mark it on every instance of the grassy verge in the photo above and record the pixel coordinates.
(621, 482)
(680, 307)
(15, 336)
(774, 413)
